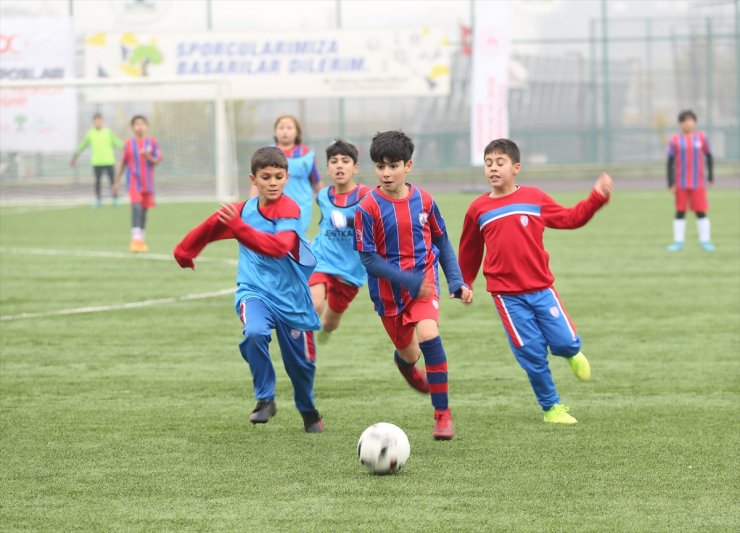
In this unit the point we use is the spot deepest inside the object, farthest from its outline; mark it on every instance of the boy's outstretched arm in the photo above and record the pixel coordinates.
(458, 288)
(211, 229)
(560, 217)
(470, 252)
(274, 245)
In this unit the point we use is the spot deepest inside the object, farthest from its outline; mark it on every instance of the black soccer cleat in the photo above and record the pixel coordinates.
(264, 411)
(312, 422)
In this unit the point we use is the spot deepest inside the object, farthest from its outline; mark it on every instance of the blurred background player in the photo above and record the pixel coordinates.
(303, 175)
(509, 223)
(339, 273)
(397, 228)
(272, 289)
(101, 141)
(686, 180)
(140, 155)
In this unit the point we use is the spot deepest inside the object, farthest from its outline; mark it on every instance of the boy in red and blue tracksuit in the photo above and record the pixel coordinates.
(508, 225)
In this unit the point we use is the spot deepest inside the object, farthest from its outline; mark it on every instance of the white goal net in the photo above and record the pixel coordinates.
(196, 138)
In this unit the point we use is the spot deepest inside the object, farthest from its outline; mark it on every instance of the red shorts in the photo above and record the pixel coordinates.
(338, 293)
(401, 327)
(146, 199)
(695, 198)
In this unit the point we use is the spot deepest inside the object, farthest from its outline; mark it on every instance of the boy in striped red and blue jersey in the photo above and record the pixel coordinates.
(508, 224)
(141, 154)
(272, 284)
(339, 273)
(686, 179)
(401, 237)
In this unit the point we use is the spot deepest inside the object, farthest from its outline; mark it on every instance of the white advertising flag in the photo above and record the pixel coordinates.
(489, 115)
(38, 119)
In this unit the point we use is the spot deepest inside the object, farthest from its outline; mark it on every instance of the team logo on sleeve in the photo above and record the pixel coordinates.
(698, 144)
(423, 217)
(358, 234)
(524, 219)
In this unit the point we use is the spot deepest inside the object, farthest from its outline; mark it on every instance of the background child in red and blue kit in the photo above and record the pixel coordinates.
(401, 237)
(141, 154)
(339, 273)
(272, 289)
(508, 224)
(686, 179)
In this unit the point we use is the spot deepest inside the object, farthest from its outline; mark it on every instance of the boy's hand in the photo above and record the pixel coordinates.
(228, 214)
(426, 290)
(115, 188)
(184, 262)
(73, 162)
(465, 294)
(604, 185)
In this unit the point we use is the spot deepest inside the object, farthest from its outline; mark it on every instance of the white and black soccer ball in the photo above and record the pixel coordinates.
(383, 448)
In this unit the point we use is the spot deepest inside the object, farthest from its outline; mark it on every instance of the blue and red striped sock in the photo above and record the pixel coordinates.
(436, 366)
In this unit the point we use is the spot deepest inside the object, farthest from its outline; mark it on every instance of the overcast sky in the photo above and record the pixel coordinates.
(533, 18)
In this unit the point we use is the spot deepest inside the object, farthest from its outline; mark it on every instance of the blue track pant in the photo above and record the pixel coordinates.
(534, 322)
(297, 348)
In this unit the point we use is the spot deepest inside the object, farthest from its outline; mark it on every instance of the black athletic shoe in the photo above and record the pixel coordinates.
(312, 422)
(264, 411)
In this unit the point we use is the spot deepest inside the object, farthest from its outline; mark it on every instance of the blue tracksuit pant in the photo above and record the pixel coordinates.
(297, 348)
(533, 323)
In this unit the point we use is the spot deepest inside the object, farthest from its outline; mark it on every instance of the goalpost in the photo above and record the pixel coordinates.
(196, 134)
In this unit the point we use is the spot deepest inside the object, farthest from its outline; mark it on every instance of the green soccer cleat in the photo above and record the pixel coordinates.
(580, 366)
(558, 414)
(323, 336)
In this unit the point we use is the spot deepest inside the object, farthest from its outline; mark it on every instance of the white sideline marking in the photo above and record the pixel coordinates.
(117, 307)
(109, 255)
(34, 209)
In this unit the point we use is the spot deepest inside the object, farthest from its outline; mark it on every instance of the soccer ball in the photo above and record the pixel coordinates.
(383, 448)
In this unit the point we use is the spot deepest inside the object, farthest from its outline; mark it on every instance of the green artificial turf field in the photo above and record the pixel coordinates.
(136, 418)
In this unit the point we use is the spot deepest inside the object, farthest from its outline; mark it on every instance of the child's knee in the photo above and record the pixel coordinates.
(567, 349)
(253, 342)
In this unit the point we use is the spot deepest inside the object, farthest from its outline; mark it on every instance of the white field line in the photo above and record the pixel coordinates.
(108, 255)
(118, 307)
(10, 211)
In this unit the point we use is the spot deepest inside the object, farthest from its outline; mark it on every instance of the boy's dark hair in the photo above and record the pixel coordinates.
(342, 147)
(268, 156)
(298, 131)
(688, 113)
(97, 115)
(391, 146)
(139, 117)
(503, 146)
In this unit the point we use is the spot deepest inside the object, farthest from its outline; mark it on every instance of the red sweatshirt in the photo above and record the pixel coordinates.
(510, 228)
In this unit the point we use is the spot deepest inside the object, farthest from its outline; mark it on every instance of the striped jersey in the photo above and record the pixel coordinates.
(510, 230)
(688, 151)
(139, 171)
(302, 175)
(400, 230)
(335, 248)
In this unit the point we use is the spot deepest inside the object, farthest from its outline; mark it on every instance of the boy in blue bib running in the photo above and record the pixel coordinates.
(272, 284)
(339, 273)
